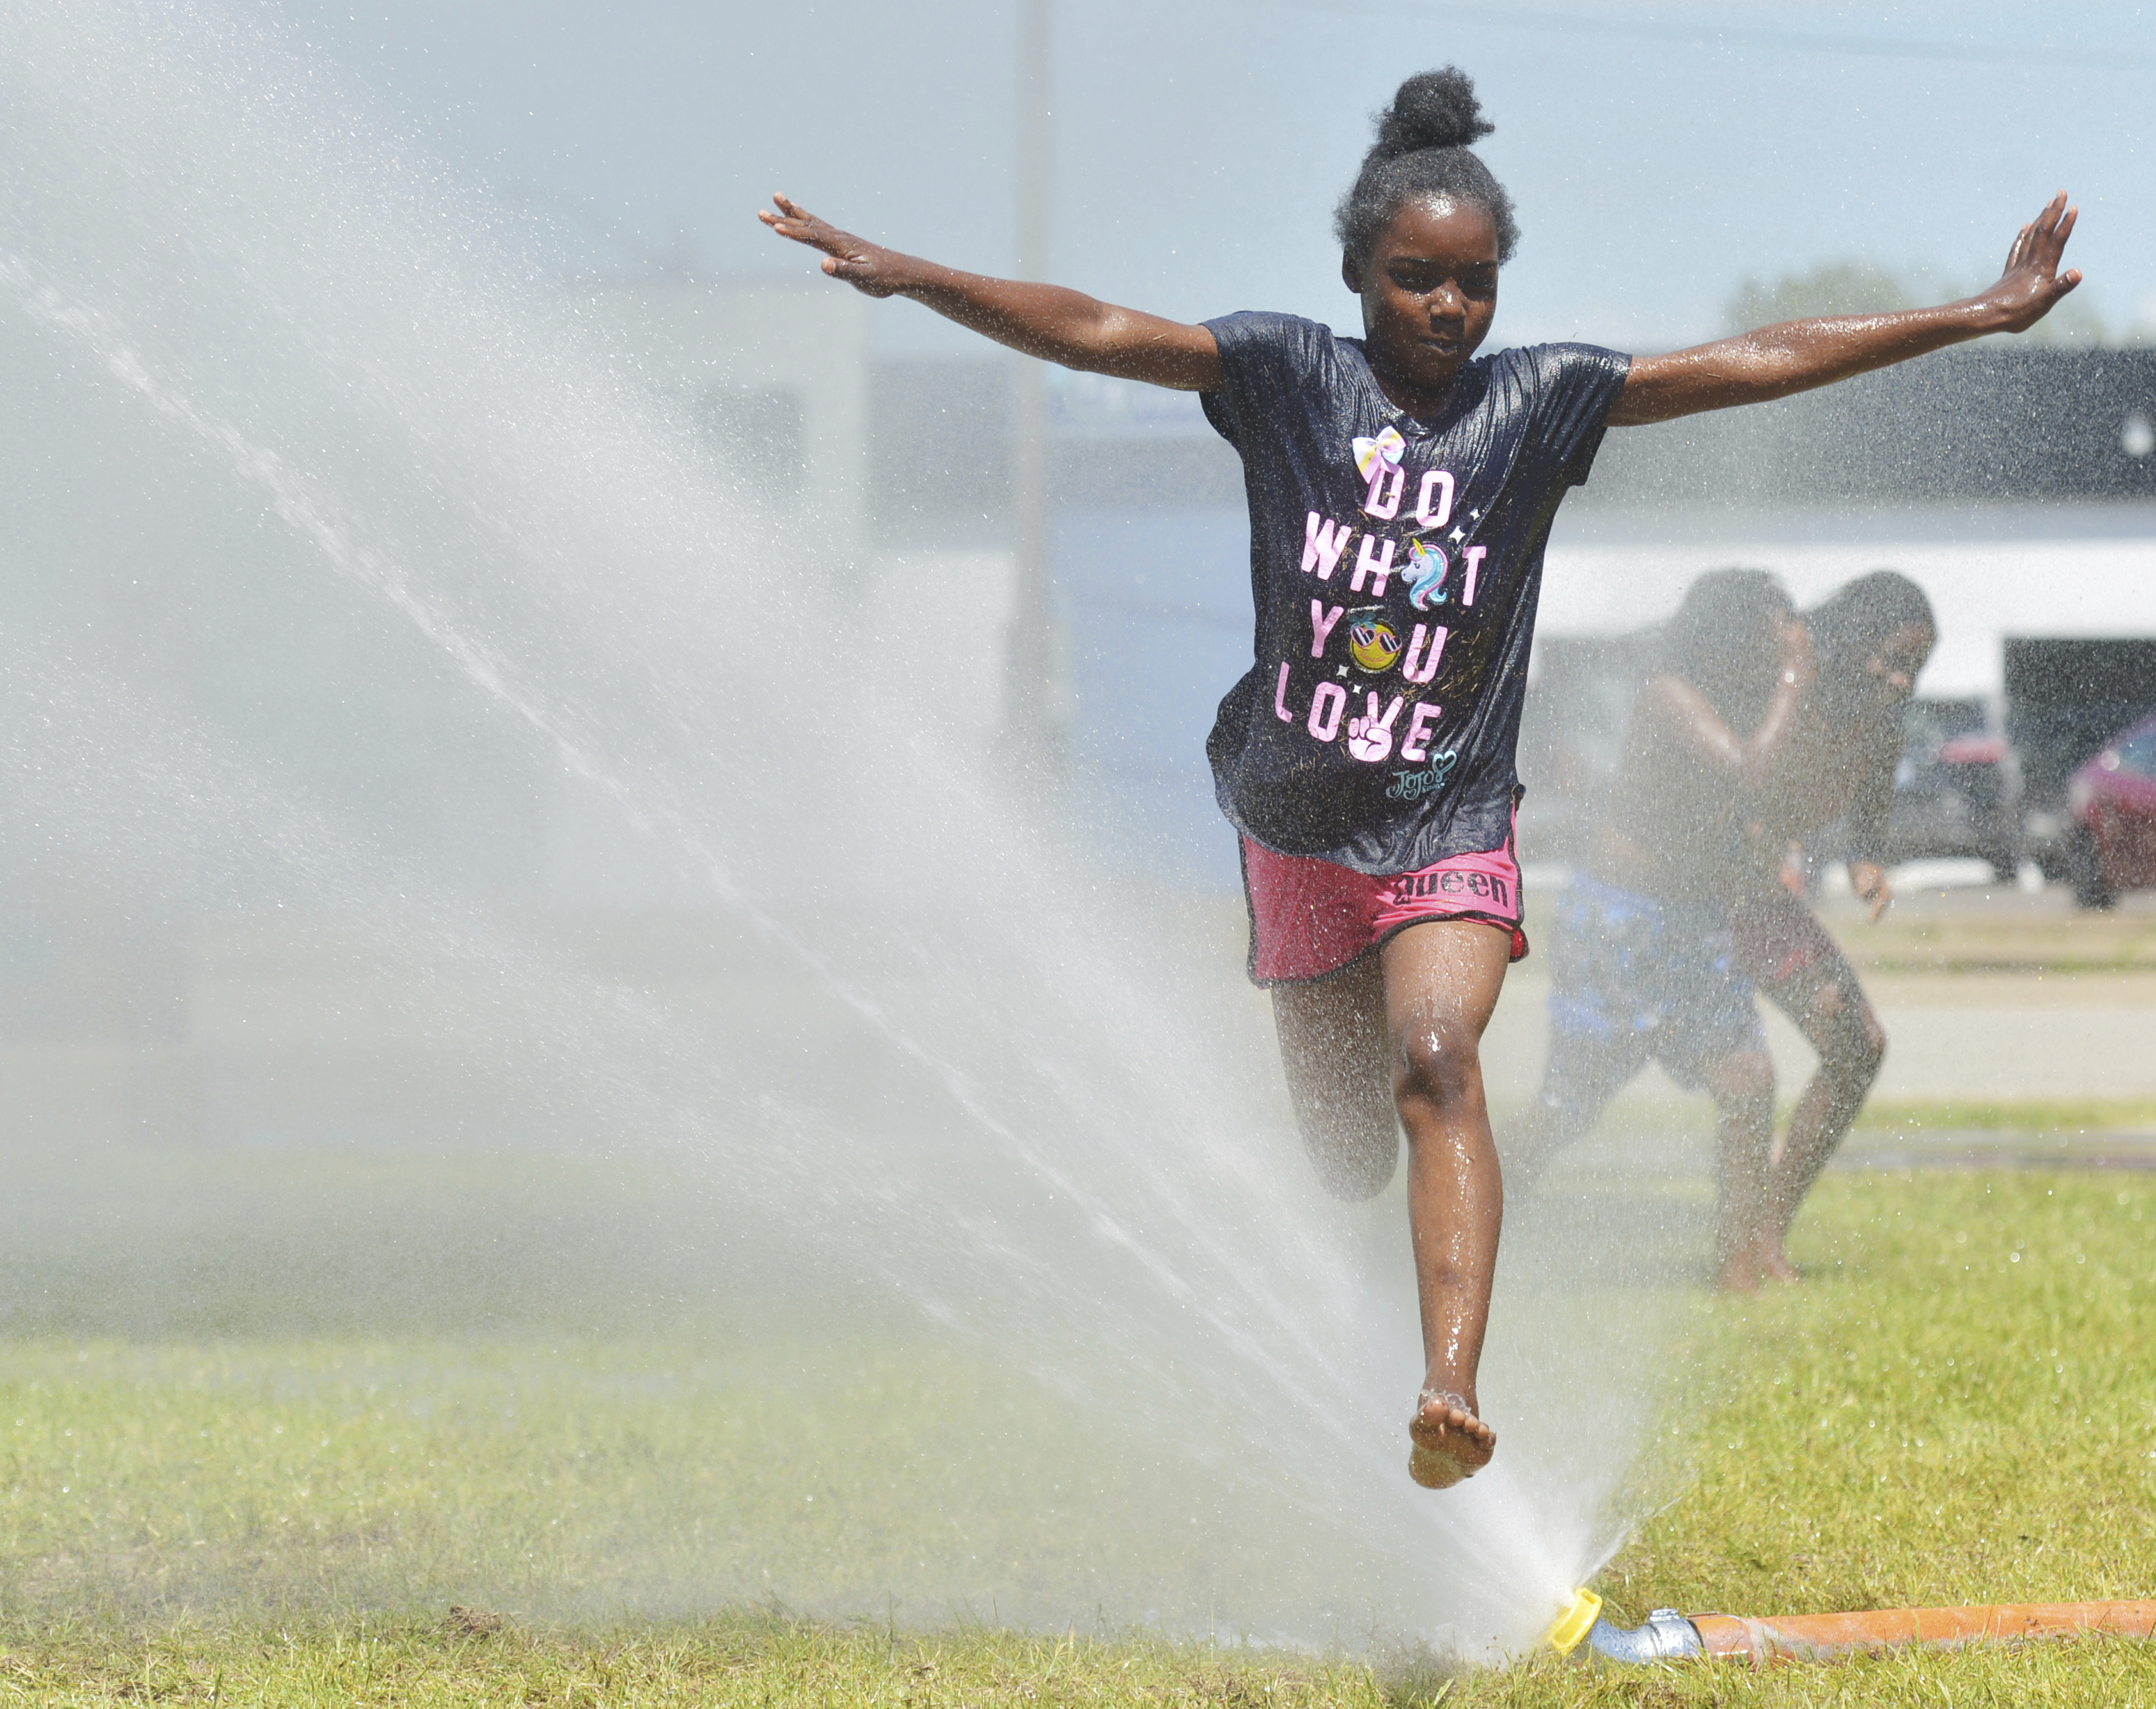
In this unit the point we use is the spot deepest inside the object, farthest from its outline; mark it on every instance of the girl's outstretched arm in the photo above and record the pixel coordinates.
(1045, 320)
(1798, 355)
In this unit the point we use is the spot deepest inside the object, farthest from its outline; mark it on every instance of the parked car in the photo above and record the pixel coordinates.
(1957, 790)
(2110, 843)
(2065, 697)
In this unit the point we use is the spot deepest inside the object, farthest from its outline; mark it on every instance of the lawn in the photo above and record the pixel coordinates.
(1955, 1409)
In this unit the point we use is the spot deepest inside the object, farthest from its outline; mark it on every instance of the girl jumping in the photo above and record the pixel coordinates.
(1401, 492)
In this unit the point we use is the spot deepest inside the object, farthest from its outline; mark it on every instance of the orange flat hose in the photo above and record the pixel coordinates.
(1825, 1637)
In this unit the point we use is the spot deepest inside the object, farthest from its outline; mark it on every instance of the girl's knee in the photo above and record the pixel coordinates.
(1854, 1043)
(1839, 1008)
(1436, 1065)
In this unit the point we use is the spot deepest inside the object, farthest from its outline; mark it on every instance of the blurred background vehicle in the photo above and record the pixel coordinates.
(1957, 790)
(2111, 841)
(2067, 700)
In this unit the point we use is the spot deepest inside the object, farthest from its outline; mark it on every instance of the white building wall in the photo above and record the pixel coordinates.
(2089, 570)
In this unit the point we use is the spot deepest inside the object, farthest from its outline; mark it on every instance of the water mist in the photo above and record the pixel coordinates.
(338, 536)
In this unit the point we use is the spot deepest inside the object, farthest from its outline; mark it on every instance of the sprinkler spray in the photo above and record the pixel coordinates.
(1668, 1634)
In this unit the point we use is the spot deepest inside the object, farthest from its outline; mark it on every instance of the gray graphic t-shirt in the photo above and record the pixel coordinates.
(1395, 565)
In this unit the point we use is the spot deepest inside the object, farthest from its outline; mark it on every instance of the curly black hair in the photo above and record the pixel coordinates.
(1422, 151)
(1849, 627)
(1855, 620)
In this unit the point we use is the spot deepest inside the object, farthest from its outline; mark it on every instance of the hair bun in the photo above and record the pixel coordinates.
(1432, 109)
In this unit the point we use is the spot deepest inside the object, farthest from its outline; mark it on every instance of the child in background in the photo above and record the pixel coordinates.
(1869, 638)
(1682, 913)
(1644, 966)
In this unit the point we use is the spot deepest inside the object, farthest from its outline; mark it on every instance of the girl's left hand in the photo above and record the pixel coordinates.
(1868, 879)
(2032, 283)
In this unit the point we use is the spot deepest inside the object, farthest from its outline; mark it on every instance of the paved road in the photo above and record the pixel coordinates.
(2007, 1036)
(1975, 1005)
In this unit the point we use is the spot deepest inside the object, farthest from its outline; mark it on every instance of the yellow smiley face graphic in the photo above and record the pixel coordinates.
(1373, 643)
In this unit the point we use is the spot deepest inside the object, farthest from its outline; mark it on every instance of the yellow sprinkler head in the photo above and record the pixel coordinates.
(1575, 1623)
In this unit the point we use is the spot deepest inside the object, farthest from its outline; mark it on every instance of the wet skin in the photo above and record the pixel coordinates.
(1429, 292)
(1893, 670)
(1429, 288)
(1081, 332)
(1393, 1044)
(1830, 1009)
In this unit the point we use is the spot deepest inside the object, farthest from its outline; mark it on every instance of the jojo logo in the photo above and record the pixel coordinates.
(1413, 786)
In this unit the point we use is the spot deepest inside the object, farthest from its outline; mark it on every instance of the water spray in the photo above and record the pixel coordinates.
(1669, 1636)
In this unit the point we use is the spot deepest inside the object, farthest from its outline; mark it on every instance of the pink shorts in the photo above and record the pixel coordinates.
(1310, 918)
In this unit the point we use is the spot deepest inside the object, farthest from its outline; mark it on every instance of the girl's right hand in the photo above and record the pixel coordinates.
(869, 268)
(1038, 319)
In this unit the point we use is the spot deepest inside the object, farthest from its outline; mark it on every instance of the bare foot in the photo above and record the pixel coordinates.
(1740, 1273)
(1450, 1443)
(1774, 1263)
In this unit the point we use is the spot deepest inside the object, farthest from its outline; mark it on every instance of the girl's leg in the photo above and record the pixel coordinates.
(1840, 1024)
(1742, 1087)
(1799, 969)
(1441, 980)
(1338, 1053)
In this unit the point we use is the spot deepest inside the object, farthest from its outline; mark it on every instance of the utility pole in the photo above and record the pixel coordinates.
(1036, 684)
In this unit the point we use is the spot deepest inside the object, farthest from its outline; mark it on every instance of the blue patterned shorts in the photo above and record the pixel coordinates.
(1636, 979)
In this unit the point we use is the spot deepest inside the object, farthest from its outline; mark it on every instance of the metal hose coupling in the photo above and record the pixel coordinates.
(1667, 1636)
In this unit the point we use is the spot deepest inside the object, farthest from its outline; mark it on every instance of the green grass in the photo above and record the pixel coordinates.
(742, 1660)
(262, 1484)
(1953, 1410)
(1938, 936)
(1956, 1407)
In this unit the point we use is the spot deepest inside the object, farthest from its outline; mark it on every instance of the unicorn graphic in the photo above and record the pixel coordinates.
(1426, 566)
